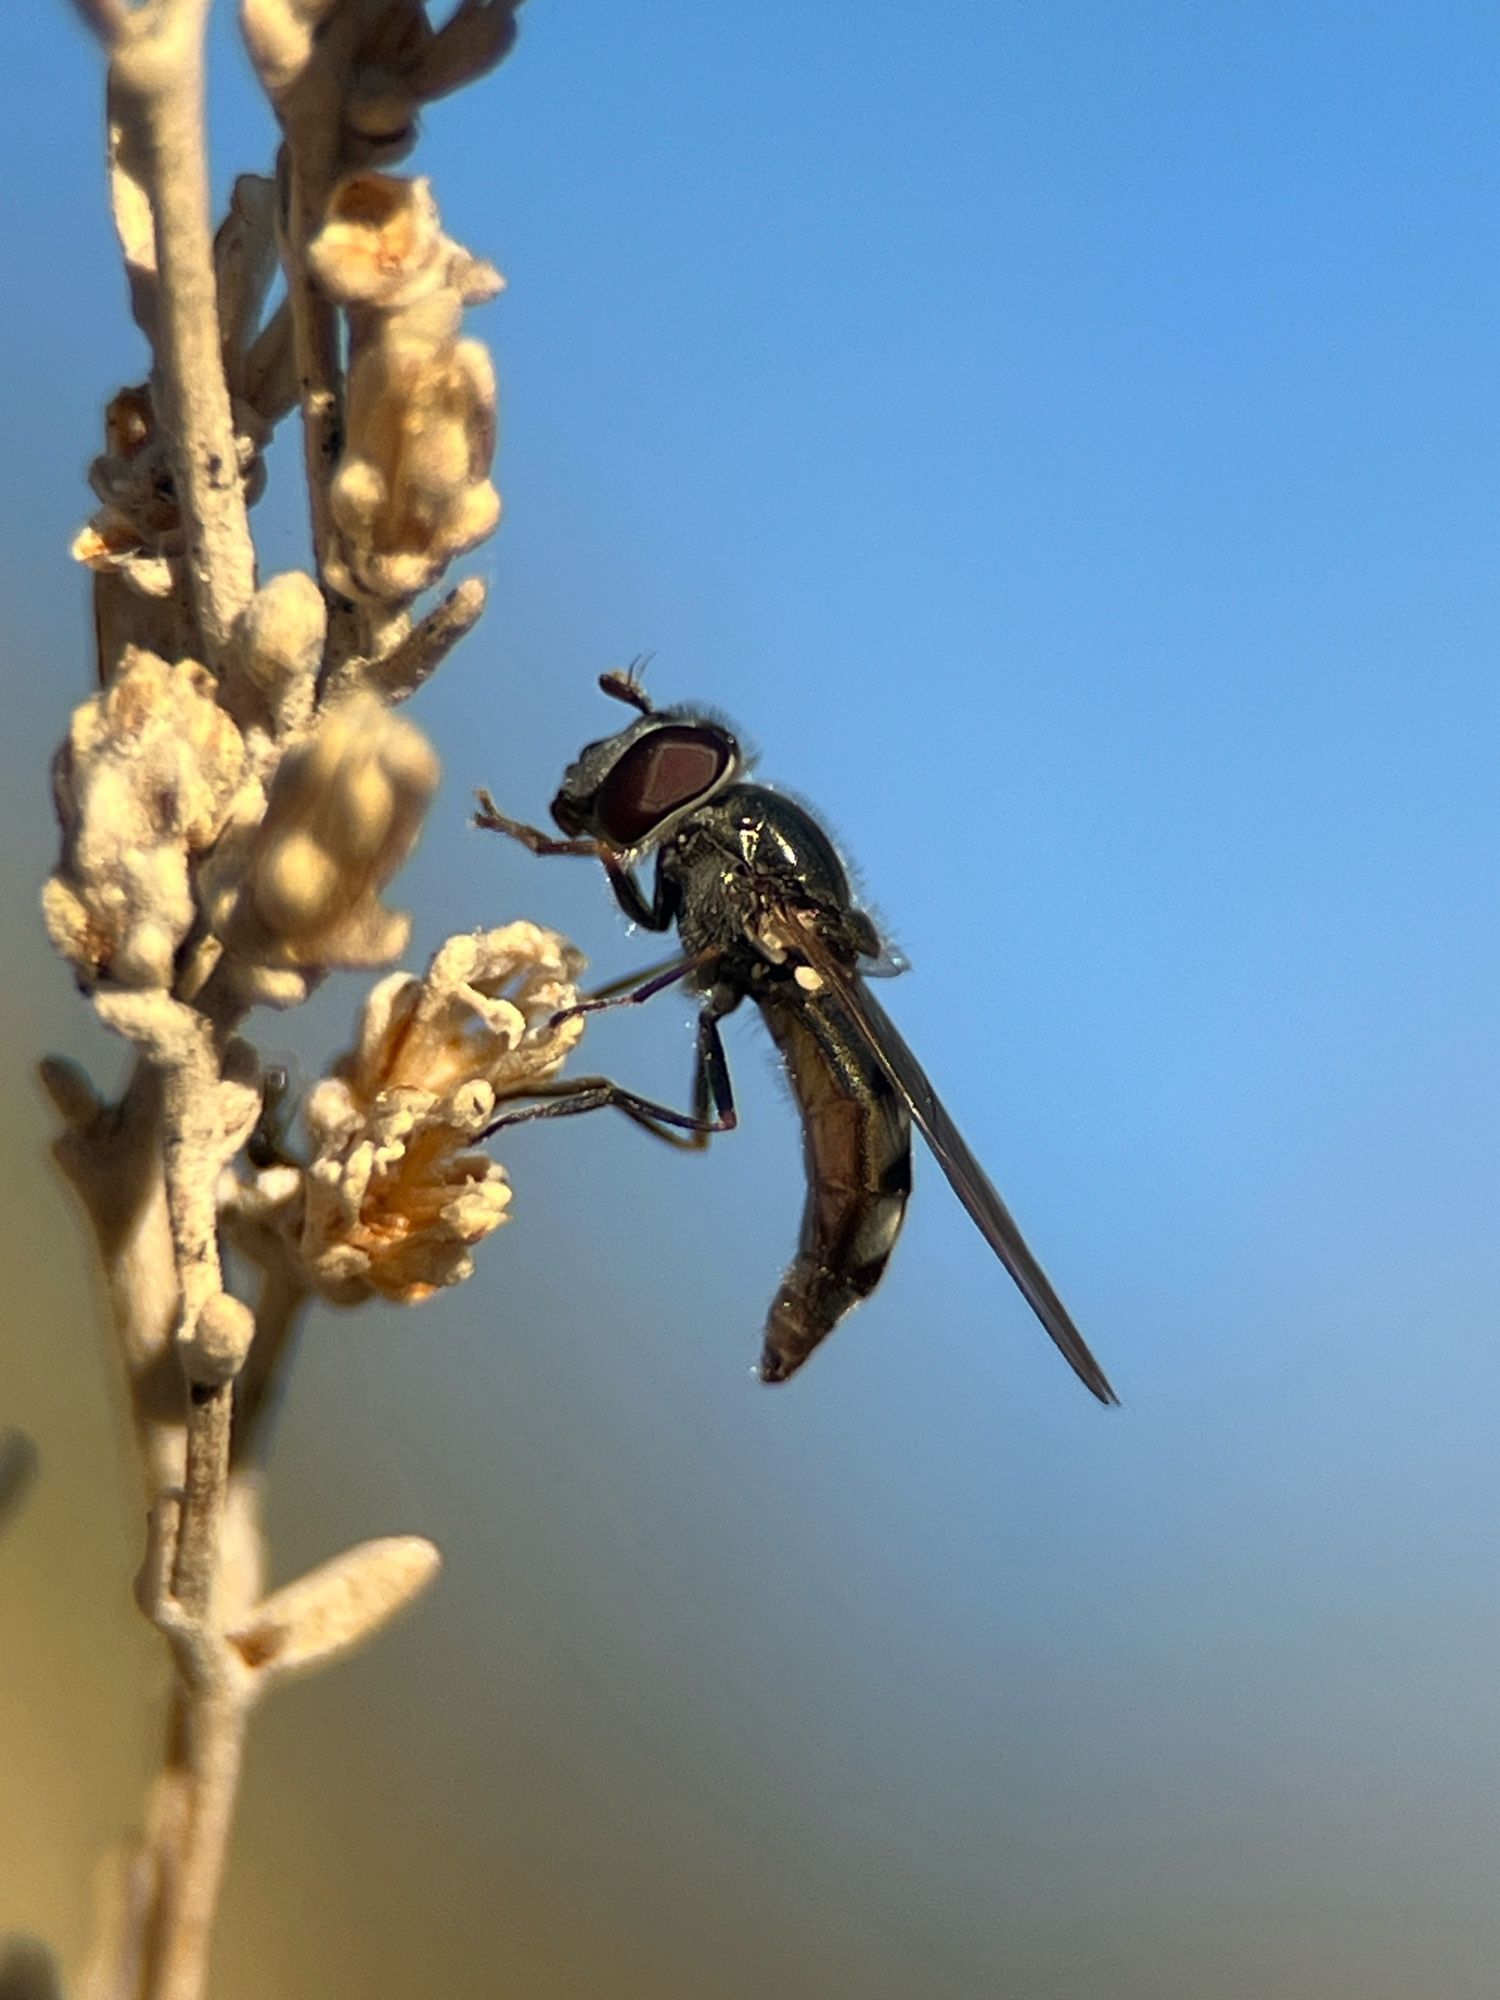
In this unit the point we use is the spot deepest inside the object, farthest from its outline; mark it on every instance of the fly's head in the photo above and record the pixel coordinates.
(629, 790)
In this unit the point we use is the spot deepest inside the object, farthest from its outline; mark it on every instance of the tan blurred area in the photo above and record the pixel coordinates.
(355, 1869)
(503, 1794)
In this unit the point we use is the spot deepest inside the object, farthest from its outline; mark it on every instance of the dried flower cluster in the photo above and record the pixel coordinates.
(143, 786)
(234, 800)
(395, 1195)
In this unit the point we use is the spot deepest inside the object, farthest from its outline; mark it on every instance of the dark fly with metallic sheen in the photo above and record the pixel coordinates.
(763, 908)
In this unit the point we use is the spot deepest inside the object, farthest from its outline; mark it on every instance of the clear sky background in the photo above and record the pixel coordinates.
(1064, 438)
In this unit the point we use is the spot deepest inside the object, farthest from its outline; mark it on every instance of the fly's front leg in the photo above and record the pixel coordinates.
(653, 916)
(490, 817)
(691, 1131)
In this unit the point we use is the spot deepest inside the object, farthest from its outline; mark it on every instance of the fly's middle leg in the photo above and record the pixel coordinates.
(713, 1099)
(637, 988)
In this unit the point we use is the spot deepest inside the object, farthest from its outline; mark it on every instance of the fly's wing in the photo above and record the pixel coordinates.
(967, 1178)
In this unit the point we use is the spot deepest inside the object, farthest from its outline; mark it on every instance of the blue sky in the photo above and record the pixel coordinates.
(1065, 439)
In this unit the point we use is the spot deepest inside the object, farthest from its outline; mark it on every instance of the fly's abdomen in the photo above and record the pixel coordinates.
(856, 1138)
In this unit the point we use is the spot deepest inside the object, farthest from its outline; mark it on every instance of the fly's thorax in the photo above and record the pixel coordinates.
(742, 862)
(780, 842)
(716, 894)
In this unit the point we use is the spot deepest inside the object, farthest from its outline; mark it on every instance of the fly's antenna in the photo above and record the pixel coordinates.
(627, 687)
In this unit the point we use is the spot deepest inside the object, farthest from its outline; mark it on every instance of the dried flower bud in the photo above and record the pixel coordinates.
(280, 649)
(344, 811)
(213, 1351)
(413, 491)
(413, 488)
(395, 1198)
(142, 784)
(381, 244)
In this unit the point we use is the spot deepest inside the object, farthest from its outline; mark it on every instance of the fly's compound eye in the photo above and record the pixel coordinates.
(657, 777)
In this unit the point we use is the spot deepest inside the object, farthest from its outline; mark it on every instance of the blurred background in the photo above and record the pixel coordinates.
(1064, 439)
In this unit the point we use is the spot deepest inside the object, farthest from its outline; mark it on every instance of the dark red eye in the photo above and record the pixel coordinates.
(656, 777)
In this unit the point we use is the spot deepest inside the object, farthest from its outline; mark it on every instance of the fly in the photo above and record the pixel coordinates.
(764, 910)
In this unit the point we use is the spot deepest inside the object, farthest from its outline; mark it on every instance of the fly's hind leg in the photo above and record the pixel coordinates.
(713, 1099)
(711, 1081)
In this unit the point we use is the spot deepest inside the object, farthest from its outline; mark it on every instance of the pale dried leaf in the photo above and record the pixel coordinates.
(130, 201)
(336, 1607)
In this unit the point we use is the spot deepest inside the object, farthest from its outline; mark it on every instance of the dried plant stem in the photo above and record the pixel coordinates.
(278, 1319)
(234, 799)
(311, 113)
(213, 1727)
(195, 1572)
(308, 164)
(197, 1579)
(147, 1169)
(157, 83)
